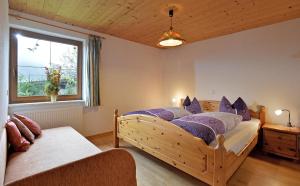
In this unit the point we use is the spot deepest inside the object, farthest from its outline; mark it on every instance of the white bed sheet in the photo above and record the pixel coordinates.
(239, 137)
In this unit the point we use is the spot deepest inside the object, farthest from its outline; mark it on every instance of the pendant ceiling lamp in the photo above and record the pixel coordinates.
(170, 38)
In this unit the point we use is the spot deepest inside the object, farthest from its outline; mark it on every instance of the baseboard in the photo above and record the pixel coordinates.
(100, 135)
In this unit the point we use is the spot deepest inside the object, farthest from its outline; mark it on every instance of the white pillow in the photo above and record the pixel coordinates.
(230, 120)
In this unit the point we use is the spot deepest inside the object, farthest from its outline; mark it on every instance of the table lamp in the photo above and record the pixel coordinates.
(280, 111)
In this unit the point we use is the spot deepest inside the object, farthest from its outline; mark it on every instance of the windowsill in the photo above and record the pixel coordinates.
(42, 105)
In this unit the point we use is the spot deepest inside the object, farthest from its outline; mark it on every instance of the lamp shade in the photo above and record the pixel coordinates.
(278, 112)
(170, 39)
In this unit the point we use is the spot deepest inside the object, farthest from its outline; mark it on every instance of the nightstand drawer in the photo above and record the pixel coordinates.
(282, 149)
(281, 140)
(273, 137)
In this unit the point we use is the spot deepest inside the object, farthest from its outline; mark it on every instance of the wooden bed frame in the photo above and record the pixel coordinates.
(181, 149)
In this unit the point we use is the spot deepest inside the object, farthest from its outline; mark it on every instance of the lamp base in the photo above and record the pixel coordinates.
(289, 124)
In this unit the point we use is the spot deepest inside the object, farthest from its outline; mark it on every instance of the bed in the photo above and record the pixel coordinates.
(212, 163)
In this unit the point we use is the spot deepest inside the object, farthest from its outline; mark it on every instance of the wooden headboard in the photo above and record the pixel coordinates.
(213, 106)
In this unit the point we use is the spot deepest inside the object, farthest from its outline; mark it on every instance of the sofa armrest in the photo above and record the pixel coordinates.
(115, 167)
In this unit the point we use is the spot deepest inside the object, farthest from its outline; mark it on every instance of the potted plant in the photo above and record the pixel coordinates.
(52, 85)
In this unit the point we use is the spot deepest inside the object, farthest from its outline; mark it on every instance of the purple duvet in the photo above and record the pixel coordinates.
(204, 127)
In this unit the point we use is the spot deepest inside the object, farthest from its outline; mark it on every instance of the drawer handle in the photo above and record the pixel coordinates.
(291, 149)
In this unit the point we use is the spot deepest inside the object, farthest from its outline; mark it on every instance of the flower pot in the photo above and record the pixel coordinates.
(53, 98)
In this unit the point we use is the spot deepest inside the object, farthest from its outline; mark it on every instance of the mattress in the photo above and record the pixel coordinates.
(240, 136)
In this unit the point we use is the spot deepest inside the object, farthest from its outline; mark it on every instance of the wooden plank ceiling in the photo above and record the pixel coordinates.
(144, 21)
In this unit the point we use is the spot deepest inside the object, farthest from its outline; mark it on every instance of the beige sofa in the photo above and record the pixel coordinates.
(61, 156)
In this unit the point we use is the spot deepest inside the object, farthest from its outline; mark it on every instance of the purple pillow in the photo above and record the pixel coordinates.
(194, 107)
(186, 101)
(242, 109)
(226, 106)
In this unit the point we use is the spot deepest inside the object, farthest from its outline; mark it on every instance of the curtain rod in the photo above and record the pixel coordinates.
(20, 17)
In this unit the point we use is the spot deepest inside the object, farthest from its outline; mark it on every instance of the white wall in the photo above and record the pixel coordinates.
(261, 65)
(130, 75)
(4, 45)
(130, 79)
(4, 38)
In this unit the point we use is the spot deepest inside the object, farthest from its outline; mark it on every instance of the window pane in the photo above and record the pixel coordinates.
(65, 56)
(34, 55)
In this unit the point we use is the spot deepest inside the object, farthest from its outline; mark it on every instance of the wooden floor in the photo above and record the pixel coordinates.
(257, 170)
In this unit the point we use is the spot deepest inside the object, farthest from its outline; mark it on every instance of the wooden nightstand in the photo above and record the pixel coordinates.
(281, 140)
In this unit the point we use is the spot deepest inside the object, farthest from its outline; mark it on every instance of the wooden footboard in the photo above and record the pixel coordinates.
(233, 161)
(179, 148)
(168, 143)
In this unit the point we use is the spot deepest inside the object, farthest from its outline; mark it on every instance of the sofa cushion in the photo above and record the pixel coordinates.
(54, 148)
(18, 142)
(23, 129)
(33, 126)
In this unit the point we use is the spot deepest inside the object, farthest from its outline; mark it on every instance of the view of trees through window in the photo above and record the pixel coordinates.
(34, 55)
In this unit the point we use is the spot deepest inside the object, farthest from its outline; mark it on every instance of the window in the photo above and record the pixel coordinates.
(30, 54)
